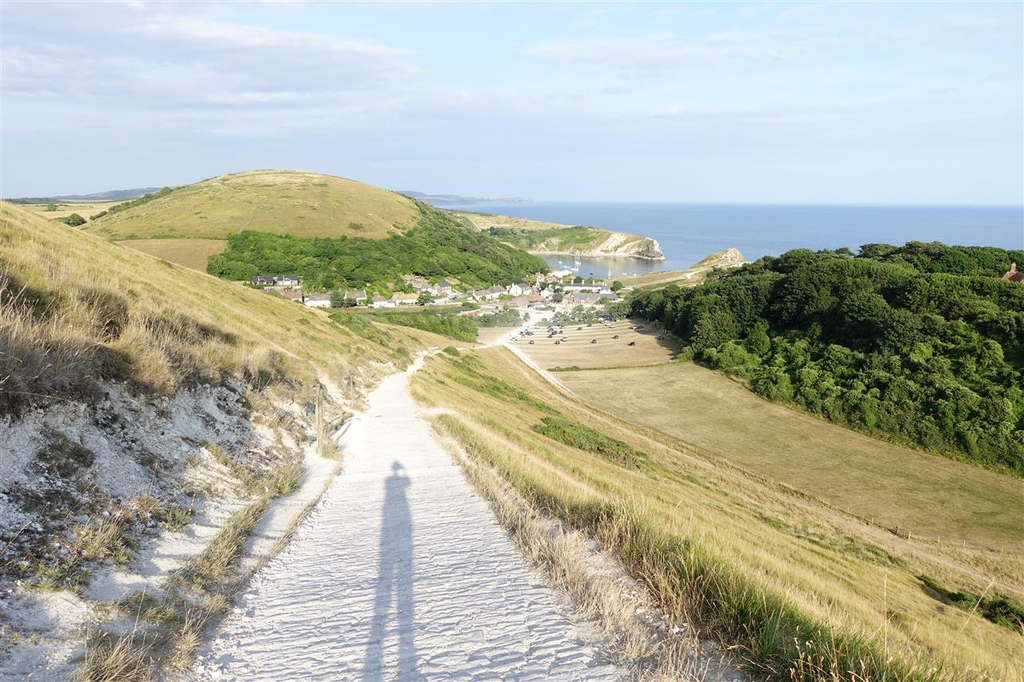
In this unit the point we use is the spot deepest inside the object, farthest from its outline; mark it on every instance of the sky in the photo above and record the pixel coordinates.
(848, 103)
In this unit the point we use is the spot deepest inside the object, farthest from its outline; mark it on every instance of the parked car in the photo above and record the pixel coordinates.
(616, 336)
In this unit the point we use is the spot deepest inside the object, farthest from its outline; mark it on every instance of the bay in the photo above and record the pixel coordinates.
(689, 232)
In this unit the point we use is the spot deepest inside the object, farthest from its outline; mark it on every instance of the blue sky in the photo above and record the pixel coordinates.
(692, 102)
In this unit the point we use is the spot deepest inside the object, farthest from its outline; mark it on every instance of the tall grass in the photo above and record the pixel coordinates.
(713, 545)
(76, 311)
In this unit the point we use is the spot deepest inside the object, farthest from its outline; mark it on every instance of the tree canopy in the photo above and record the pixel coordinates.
(439, 246)
(921, 344)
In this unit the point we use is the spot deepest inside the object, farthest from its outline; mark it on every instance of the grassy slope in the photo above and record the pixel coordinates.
(752, 559)
(544, 237)
(192, 253)
(849, 470)
(92, 309)
(281, 202)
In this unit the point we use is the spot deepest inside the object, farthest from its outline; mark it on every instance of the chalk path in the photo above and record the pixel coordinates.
(401, 573)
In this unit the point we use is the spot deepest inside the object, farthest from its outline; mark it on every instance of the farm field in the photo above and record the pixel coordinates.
(943, 503)
(64, 209)
(642, 492)
(191, 253)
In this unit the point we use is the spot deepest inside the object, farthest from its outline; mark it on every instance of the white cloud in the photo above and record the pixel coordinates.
(152, 59)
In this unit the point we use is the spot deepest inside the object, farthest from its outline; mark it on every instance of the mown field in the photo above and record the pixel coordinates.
(191, 253)
(86, 209)
(805, 591)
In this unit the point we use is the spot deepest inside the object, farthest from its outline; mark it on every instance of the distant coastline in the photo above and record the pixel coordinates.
(448, 200)
(689, 232)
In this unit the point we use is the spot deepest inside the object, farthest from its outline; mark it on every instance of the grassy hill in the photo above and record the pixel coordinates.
(538, 236)
(135, 393)
(110, 312)
(280, 202)
(801, 591)
(917, 344)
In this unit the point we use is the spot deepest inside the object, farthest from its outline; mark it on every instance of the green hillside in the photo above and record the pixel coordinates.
(439, 246)
(275, 201)
(76, 310)
(919, 344)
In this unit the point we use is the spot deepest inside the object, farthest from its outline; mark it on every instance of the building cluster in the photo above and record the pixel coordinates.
(543, 289)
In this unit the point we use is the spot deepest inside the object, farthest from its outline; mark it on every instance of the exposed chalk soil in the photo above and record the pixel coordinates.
(401, 572)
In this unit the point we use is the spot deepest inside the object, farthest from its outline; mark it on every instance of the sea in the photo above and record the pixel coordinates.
(689, 232)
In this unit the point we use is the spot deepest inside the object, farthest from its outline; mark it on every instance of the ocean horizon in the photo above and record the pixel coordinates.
(689, 232)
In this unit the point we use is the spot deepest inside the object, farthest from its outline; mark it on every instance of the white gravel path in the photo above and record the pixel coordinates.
(401, 573)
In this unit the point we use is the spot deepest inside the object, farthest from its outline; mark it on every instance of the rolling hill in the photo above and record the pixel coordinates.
(138, 396)
(276, 201)
(541, 237)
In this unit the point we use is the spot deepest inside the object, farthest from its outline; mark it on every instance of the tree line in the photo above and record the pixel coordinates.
(921, 344)
(439, 246)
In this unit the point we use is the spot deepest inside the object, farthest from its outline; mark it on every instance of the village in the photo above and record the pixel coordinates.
(560, 286)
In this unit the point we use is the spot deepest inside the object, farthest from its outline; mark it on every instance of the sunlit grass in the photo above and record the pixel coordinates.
(802, 595)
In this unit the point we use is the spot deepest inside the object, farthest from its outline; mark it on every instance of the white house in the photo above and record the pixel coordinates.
(381, 302)
(318, 300)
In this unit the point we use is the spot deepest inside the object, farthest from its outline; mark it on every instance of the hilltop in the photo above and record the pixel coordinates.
(281, 202)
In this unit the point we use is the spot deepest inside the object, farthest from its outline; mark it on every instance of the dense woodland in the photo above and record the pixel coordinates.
(439, 246)
(922, 344)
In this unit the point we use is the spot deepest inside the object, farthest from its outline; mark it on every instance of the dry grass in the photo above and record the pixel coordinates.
(86, 209)
(482, 221)
(877, 481)
(75, 310)
(580, 353)
(281, 202)
(191, 253)
(648, 646)
(558, 238)
(770, 571)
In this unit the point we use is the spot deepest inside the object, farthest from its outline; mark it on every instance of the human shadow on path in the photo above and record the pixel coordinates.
(394, 583)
